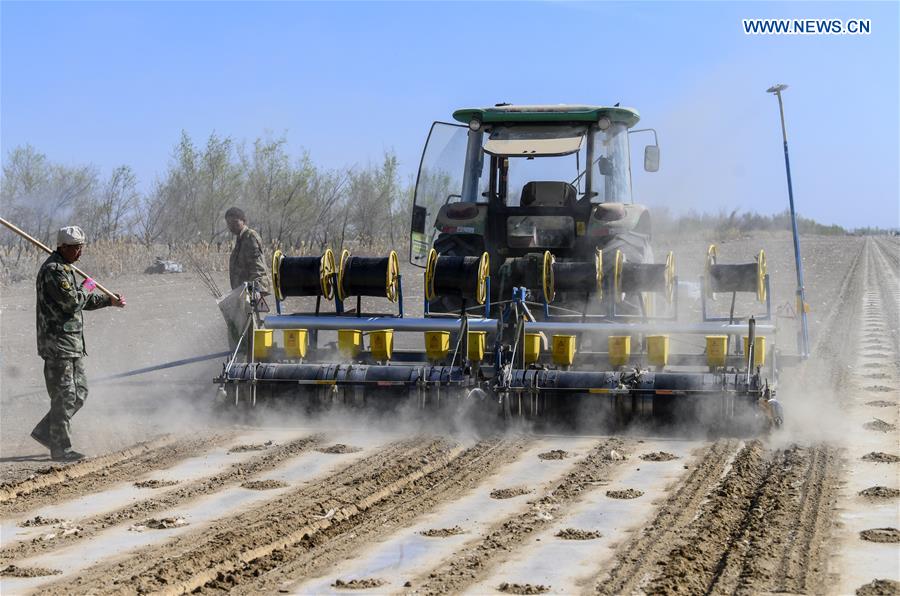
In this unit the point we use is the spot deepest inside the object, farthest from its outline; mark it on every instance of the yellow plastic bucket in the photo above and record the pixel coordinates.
(716, 350)
(381, 343)
(350, 342)
(262, 343)
(619, 349)
(759, 350)
(563, 349)
(295, 343)
(658, 350)
(477, 340)
(437, 344)
(532, 347)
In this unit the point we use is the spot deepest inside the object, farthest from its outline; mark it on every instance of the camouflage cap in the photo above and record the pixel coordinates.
(70, 235)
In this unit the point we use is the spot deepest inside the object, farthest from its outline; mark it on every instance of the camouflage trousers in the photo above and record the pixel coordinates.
(67, 387)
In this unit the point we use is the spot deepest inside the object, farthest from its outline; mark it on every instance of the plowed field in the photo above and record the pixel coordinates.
(173, 501)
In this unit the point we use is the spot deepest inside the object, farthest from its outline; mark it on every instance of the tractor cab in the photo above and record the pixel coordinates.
(519, 180)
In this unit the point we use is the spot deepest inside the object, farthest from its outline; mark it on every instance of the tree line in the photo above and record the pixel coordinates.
(291, 201)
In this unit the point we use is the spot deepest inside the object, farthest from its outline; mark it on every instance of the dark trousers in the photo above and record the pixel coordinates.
(67, 387)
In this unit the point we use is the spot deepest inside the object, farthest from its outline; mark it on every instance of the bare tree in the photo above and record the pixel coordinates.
(112, 213)
(40, 194)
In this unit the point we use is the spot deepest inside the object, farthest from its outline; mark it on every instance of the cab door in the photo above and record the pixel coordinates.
(439, 182)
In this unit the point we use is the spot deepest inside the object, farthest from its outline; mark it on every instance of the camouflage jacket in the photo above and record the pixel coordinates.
(246, 262)
(60, 324)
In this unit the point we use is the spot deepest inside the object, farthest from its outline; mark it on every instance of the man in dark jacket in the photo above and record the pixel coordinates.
(60, 340)
(247, 263)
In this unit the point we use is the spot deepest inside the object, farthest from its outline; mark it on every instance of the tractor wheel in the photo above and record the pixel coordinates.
(636, 249)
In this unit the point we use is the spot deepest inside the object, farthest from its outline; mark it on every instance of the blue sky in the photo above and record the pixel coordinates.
(115, 83)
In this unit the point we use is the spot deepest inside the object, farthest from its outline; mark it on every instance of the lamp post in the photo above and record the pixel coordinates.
(801, 294)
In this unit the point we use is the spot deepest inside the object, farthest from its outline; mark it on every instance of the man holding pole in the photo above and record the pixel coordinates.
(60, 339)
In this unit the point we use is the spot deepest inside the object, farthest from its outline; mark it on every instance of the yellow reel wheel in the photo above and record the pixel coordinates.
(761, 270)
(276, 275)
(391, 287)
(617, 275)
(430, 265)
(342, 262)
(670, 276)
(712, 254)
(548, 283)
(598, 258)
(326, 274)
(484, 269)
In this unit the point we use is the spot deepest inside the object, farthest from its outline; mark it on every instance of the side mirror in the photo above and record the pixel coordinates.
(651, 158)
(605, 166)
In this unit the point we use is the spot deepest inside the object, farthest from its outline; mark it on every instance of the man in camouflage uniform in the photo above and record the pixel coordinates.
(60, 340)
(246, 263)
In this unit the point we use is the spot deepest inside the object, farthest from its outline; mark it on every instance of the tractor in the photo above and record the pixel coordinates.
(542, 297)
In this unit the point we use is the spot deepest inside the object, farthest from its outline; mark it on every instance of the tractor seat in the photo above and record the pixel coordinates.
(548, 194)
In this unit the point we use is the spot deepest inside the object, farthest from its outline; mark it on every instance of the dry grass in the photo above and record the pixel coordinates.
(107, 258)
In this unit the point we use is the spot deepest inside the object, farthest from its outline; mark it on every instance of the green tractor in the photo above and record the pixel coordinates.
(540, 294)
(516, 182)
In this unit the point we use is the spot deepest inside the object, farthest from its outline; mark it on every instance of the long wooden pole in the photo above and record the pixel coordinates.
(47, 249)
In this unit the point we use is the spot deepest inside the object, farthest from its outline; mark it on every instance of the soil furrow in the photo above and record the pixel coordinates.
(780, 547)
(640, 556)
(702, 552)
(193, 559)
(804, 559)
(341, 541)
(886, 273)
(233, 475)
(473, 561)
(58, 483)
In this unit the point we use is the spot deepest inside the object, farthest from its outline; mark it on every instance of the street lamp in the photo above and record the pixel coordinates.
(802, 307)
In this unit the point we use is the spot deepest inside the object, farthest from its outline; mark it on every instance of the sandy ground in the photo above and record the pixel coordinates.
(175, 500)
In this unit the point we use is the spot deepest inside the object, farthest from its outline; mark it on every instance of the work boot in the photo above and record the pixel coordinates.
(66, 456)
(42, 440)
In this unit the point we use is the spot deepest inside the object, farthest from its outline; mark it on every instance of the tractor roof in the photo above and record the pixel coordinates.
(547, 113)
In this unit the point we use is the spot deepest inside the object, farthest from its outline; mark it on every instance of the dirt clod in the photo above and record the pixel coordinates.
(879, 587)
(628, 493)
(251, 447)
(339, 448)
(64, 528)
(881, 457)
(523, 588)
(880, 492)
(575, 534)
(163, 523)
(879, 403)
(155, 483)
(358, 584)
(891, 535)
(613, 455)
(37, 520)
(263, 484)
(13, 571)
(554, 454)
(509, 493)
(880, 388)
(442, 532)
(879, 425)
(658, 456)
